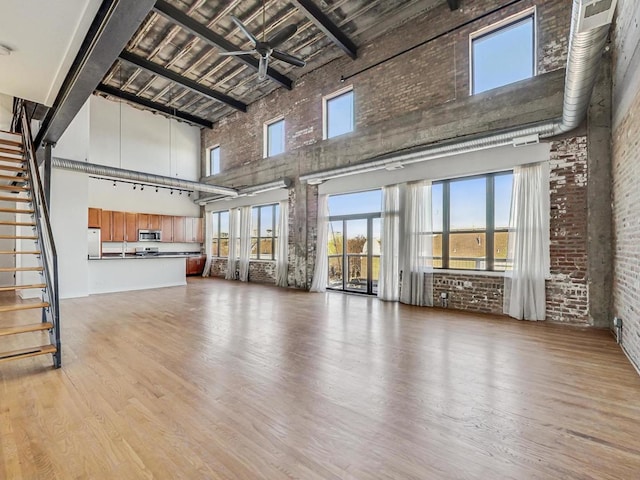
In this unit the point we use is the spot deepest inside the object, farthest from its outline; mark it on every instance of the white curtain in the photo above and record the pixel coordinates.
(208, 243)
(388, 283)
(417, 251)
(245, 243)
(321, 272)
(234, 236)
(524, 296)
(282, 255)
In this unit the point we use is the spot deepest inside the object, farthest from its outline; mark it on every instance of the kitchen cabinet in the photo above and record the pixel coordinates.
(154, 222)
(179, 230)
(95, 217)
(195, 265)
(166, 226)
(193, 230)
(130, 227)
(106, 225)
(117, 226)
(143, 221)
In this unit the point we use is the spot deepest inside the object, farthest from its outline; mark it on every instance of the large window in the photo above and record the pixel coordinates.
(214, 160)
(220, 233)
(339, 117)
(264, 234)
(503, 54)
(274, 138)
(470, 222)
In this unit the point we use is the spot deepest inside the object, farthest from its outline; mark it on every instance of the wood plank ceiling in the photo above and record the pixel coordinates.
(169, 66)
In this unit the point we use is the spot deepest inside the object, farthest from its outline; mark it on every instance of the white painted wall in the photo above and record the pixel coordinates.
(6, 109)
(69, 194)
(74, 143)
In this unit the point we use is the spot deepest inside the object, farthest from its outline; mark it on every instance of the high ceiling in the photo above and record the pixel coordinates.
(172, 63)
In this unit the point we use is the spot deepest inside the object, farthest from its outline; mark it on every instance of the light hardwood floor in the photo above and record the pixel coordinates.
(222, 380)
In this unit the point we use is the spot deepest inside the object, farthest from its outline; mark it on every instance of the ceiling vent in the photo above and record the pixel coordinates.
(595, 13)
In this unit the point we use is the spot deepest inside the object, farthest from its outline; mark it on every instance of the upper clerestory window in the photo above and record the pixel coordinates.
(503, 53)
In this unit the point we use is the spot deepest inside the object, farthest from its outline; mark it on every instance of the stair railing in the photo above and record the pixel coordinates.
(45, 240)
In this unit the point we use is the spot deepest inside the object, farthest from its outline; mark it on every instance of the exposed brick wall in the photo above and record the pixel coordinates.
(429, 75)
(477, 293)
(260, 271)
(626, 185)
(567, 294)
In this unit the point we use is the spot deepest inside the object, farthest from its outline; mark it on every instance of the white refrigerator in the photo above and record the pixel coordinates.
(94, 242)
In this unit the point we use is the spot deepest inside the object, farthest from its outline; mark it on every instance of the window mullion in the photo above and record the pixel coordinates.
(446, 223)
(489, 243)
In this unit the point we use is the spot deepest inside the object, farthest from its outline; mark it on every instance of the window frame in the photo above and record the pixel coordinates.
(325, 111)
(496, 27)
(265, 136)
(210, 170)
(259, 237)
(489, 231)
(218, 237)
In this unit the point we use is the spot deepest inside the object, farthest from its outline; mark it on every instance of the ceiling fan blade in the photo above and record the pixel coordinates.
(245, 30)
(238, 52)
(281, 36)
(262, 69)
(290, 59)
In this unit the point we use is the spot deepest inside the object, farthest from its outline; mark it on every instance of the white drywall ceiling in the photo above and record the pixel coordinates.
(44, 37)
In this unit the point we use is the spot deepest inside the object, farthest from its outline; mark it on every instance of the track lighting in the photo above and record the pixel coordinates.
(114, 184)
(134, 186)
(141, 187)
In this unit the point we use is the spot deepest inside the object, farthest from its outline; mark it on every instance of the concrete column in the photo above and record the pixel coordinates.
(599, 197)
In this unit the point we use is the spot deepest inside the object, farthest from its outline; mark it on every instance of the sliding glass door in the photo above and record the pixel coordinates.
(354, 253)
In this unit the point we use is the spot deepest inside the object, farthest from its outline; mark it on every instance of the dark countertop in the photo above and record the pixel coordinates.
(130, 256)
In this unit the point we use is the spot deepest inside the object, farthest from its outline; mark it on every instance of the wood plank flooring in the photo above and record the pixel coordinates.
(223, 380)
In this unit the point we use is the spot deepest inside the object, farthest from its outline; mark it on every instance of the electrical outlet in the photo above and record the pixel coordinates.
(444, 295)
(617, 322)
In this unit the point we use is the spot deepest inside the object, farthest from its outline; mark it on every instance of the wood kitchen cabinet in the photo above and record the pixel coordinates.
(130, 227)
(166, 226)
(154, 222)
(195, 265)
(118, 226)
(143, 221)
(106, 226)
(179, 230)
(95, 217)
(194, 230)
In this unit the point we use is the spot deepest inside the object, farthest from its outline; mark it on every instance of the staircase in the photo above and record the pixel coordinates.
(29, 268)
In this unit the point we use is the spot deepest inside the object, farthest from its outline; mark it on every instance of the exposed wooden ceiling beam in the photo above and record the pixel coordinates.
(182, 80)
(189, 24)
(324, 23)
(143, 102)
(453, 4)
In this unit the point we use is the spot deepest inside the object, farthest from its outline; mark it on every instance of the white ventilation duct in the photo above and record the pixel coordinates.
(142, 177)
(589, 30)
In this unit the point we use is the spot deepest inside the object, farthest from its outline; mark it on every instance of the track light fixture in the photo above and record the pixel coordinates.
(135, 185)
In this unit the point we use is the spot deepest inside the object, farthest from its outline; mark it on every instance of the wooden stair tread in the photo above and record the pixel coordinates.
(15, 187)
(27, 352)
(6, 132)
(16, 237)
(22, 287)
(15, 210)
(11, 151)
(18, 224)
(14, 178)
(32, 327)
(11, 168)
(14, 199)
(12, 143)
(20, 252)
(20, 269)
(22, 306)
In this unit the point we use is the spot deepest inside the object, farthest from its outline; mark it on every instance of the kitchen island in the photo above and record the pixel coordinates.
(115, 273)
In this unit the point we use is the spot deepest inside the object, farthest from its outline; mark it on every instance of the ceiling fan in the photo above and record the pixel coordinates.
(267, 48)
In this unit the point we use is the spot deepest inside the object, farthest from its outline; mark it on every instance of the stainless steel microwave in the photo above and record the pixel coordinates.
(149, 235)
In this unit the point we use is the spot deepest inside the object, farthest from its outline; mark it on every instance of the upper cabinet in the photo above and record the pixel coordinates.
(106, 226)
(167, 228)
(95, 218)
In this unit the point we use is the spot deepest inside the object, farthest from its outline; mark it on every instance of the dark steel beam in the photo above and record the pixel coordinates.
(190, 25)
(453, 4)
(113, 26)
(158, 107)
(324, 23)
(182, 80)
